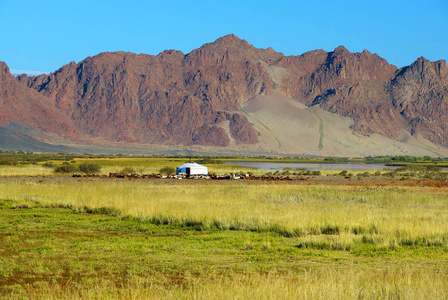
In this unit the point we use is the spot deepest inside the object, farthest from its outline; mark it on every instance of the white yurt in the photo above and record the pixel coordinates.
(191, 168)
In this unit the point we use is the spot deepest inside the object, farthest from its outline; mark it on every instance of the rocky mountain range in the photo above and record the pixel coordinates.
(228, 95)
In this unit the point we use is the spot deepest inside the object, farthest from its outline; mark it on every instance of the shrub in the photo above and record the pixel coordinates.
(167, 170)
(364, 174)
(8, 161)
(343, 173)
(66, 169)
(48, 165)
(432, 168)
(301, 171)
(127, 170)
(390, 174)
(89, 168)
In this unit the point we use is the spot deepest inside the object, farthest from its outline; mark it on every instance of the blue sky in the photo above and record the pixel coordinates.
(45, 35)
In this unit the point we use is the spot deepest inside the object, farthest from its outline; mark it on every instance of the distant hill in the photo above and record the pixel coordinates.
(11, 140)
(230, 96)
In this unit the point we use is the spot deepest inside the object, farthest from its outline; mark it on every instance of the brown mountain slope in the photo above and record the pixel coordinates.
(420, 94)
(349, 84)
(27, 107)
(199, 98)
(168, 98)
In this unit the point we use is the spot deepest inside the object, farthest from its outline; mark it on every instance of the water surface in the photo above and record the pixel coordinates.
(310, 166)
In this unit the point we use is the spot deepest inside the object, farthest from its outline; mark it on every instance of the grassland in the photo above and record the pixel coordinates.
(63, 237)
(365, 237)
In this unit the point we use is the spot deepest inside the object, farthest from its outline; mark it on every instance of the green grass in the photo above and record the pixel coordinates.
(72, 254)
(65, 238)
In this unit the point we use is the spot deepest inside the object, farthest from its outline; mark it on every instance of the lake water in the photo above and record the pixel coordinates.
(310, 166)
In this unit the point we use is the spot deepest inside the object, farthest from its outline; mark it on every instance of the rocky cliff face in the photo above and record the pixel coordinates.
(195, 99)
(27, 107)
(350, 84)
(170, 98)
(420, 93)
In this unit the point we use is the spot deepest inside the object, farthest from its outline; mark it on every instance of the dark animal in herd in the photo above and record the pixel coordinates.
(209, 176)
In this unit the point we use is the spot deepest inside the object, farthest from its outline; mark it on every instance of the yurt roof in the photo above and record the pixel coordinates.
(191, 165)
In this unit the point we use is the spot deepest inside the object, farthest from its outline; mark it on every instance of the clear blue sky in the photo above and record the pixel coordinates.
(45, 35)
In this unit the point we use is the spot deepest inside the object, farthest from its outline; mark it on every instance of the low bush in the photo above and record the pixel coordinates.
(66, 169)
(390, 174)
(364, 174)
(301, 171)
(343, 173)
(127, 170)
(89, 168)
(49, 165)
(9, 161)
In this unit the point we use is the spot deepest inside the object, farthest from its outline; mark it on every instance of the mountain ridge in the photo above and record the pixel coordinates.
(182, 100)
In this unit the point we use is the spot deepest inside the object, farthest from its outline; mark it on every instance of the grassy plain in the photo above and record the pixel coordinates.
(116, 164)
(90, 238)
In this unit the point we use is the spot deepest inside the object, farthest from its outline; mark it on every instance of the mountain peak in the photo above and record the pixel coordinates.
(5, 74)
(341, 49)
(366, 52)
(423, 65)
(229, 37)
(3, 67)
(422, 58)
(231, 40)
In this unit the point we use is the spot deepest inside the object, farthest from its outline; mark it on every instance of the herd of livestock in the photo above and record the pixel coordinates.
(204, 177)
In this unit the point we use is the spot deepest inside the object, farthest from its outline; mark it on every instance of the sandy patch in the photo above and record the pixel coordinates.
(287, 126)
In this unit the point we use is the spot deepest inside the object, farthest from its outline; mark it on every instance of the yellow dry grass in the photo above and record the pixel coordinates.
(333, 215)
(325, 283)
(25, 170)
(321, 217)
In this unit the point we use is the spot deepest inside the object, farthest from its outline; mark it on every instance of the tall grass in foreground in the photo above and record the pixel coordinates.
(326, 283)
(321, 216)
